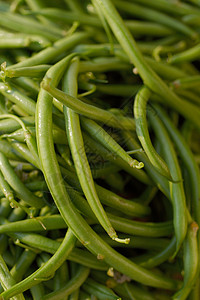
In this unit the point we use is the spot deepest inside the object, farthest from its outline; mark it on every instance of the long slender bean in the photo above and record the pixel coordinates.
(189, 161)
(47, 55)
(143, 135)
(176, 189)
(190, 262)
(88, 110)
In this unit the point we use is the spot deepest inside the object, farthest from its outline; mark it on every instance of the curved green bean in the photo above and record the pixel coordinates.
(140, 104)
(45, 271)
(79, 156)
(176, 189)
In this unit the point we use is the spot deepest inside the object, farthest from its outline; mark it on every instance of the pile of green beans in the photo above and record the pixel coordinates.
(99, 150)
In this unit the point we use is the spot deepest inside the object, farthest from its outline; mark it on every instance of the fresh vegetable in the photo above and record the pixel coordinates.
(99, 149)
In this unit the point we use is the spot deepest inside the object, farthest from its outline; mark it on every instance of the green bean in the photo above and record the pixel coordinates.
(188, 95)
(176, 189)
(79, 156)
(71, 286)
(17, 214)
(34, 224)
(28, 25)
(138, 27)
(71, 216)
(188, 159)
(47, 270)
(14, 42)
(65, 153)
(20, 40)
(171, 7)
(88, 110)
(153, 15)
(3, 244)
(104, 138)
(47, 55)
(19, 165)
(166, 71)
(33, 72)
(74, 295)
(24, 152)
(160, 257)
(149, 77)
(142, 132)
(7, 126)
(100, 291)
(18, 134)
(123, 90)
(7, 280)
(22, 264)
(103, 64)
(61, 276)
(37, 291)
(190, 262)
(17, 185)
(187, 82)
(18, 98)
(31, 86)
(5, 207)
(190, 54)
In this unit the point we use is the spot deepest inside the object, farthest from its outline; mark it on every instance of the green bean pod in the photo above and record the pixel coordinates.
(88, 110)
(47, 55)
(140, 103)
(190, 262)
(99, 134)
(79, 156)
(188, 55)
(176, 189)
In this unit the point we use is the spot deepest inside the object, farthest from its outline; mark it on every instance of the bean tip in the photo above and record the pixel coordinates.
(122, 241)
